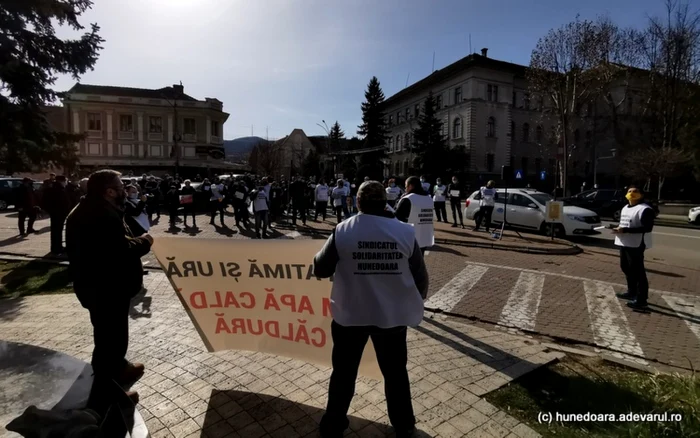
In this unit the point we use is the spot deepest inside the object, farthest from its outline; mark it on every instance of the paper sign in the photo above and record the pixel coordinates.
(186, 199)
(554, 210)
(256, 296)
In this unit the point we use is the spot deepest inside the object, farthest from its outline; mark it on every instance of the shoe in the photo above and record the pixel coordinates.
(131, 374)
(476, 230)
(454, 225)
(212, 223)
(30, 231)
(627, 296)
(134, 397)
(258, 236)
(637, 305)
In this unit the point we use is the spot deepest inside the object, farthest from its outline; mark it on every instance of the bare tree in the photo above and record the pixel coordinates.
(265, 158)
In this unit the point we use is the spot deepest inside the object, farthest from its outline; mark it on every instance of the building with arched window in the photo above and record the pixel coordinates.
(457, 128)
(491, 127)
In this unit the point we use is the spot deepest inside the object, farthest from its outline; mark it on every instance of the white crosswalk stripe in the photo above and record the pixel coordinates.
(687, 310)
(453, 292)
(524, 301)
(608, 322)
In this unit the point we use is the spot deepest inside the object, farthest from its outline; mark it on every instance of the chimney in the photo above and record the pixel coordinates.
(179, 89)
(484, 52)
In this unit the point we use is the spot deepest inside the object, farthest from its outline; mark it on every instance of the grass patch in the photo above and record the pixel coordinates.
(18, 279)
(581, 385)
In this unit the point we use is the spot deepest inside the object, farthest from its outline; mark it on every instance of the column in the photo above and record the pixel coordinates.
(76, 130)
(208, 130)
(109, 144)
(139, 149)
(169, 139)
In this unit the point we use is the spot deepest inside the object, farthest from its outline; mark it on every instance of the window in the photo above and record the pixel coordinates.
(490, 162)
(577, 137)
(523, 164)
(519, 200)
(588, 139)
(458, 95)
(126, 123)
(215, 128)
(526, 101)
(397, 168)
(156, 151)
(93, 149)
(190, 152)
(491, 127)
(190, 126)
(416, 110)
(398, 117)
(391, 120)
(126, 149)
(391, 144)
(398, 143)
(492, 93)
(515, 98)
(526, 132)
(408, 113)
(405, 167)
(457, 128)
(438, 101)
(155, 124)
(539, 103)
(538, 134)
(407, 141)
(94, 122)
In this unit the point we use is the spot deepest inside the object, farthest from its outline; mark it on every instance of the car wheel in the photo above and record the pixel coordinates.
(559, 230)
(616, 216)
(3, 205)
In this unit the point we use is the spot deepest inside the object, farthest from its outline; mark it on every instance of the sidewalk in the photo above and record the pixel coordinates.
(188, 392)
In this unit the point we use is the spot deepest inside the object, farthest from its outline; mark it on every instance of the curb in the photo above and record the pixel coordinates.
(673, 224)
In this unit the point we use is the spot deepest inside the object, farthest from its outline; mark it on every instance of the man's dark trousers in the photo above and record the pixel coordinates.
(440, 211)
(485, 212)
(632, 265)
(392, 356)
(110, 322)
(299, 206)
(24, 214)
(57, 222)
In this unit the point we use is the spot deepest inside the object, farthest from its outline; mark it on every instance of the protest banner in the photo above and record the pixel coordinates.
(255, 295)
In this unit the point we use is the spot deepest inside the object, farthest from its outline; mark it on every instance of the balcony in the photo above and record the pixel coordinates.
(94, 134)
(215, 139)
(189, 138)
(155, 136)
(125, 135)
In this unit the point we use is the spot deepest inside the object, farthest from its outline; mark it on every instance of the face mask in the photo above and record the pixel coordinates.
(454, 181)
(439, 182)
(633, 196)
(393, 185)
(133, 196)
(422, 180)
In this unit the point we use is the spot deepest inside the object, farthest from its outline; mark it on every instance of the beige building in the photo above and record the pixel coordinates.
(135, 129)
(485, 106)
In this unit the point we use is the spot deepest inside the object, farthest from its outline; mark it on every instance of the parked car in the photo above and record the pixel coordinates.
(8, 192)
(526, 209)
(694, 216)
(605, 202)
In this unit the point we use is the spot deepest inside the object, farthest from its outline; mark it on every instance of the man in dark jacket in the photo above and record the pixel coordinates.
(105, 264)
(455, 192)
(57, 204)
(27, 206)
(299, 200)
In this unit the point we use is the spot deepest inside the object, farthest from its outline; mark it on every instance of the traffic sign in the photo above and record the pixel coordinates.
(518, 174)
(543, 175)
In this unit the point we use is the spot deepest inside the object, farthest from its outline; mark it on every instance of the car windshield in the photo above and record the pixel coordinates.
(541, 198)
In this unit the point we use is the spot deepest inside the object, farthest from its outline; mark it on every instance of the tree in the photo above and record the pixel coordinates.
(265, 158)
(654, 163)
(373, 128)
(429, 145)
(335, 137)
(31, 55)
(311, 166)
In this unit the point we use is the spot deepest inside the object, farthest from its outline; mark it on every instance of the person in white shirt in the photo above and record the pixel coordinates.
(487, 200)
(338, 195)
(439, 201)
(261, 208)
(216, 201)
(416, 208)
(425, 184)
(633, 236)
(321, 194)
(393, 193)
(379, 284)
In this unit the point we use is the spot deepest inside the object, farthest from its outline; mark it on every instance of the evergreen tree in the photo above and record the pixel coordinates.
(335, 136)
(373, 128)
(31, 55)
(430, 148)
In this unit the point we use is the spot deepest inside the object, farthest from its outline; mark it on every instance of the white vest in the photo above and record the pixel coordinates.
(439, 193)
(631, 217)
(260, 201)
(426, 186)
(421, 217)
(322, 193)
(392, 193)
(217, 192)
(141, 219)
(487, 197)
(373, 284)
(337, 195)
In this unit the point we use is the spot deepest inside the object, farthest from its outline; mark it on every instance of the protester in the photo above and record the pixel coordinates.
(338, 194)
(187, 195)
(172, 203)
(393, 193)
(439, 201)
(135, 215)
(154, 197)
(27, 206)
(261, 208)
(633, 236)
(321, 194)
(56, 203)
(487, 200)
(73, 192)
(455, 192)
(105, 264)
(240, 210)
(216, 201)
(299, 197)
(372, 300)
(416, 208)
(425, 184)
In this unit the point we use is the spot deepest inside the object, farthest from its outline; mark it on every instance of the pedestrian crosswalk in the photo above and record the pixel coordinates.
(515, 302)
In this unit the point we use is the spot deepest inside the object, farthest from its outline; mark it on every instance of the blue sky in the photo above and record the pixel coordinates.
(284, 64)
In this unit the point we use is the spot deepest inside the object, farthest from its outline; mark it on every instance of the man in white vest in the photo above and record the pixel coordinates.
(321, 194)
(416, 208)
(380, 282)
(393, 193)
(425, 184)
(487, 200)
(633, 236)
(439, 200)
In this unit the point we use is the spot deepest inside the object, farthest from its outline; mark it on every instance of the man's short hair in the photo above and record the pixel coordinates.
(635, 186)
(413, 181)
(100, 181)
(371, 196)
(130, 186)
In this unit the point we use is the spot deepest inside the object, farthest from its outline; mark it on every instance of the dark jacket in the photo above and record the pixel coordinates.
(453, 186)
(56, 201)
(26, 197)
(298, 191)
(104, 257)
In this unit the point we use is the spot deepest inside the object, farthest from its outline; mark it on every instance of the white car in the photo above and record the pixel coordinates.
(694, 215)
(526, 209)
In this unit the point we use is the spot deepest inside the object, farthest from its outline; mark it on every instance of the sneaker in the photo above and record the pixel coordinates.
(627, 296)
(131, 374)
(638, 305)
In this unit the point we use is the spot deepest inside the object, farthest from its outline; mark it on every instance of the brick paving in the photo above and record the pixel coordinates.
(189, 392)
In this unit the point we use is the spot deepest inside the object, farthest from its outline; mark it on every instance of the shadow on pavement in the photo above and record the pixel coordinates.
(144, 301)
(653, 308)
(10, 308)
(593, 242)
(478, 350)
(252, 414)
(440, 248)
(666, 274)
(225, 231)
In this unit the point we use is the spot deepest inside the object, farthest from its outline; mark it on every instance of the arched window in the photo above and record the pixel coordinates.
(391, 144)
(526, 132)
(405, 167)
(491, 127)
(538, 134)
(397, 168)
(407, 141)
(398, 143)
(457, 128)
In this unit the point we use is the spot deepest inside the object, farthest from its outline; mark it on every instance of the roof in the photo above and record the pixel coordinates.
(471, 61)
(106, 90)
